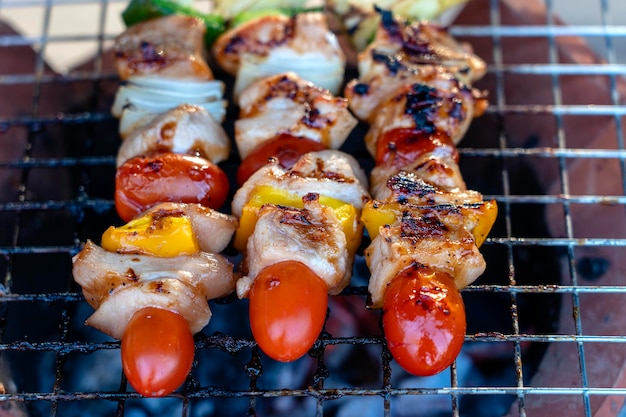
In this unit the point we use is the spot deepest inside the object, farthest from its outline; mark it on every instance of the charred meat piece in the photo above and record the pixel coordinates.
(403, 55)
(438, 239)
(287, 104)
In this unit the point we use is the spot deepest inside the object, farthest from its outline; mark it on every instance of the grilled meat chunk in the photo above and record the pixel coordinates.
(440, 172)
(444, 108)
(421, 53)
(186, 129)
(411, 187)
(275, 44)
(435, 238)
(311, 235)
(167, 47)
(285, 103)
(118, 285)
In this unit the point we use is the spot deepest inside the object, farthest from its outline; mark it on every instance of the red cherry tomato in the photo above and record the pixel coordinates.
(400, 147)
(424, 320)
(144, 181)
(286, 148)
(157, 351)
(288, 304)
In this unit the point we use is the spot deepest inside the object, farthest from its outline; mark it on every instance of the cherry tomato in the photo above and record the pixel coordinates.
(424, 320)
(400, 147)
(286, 148)
(157, 351)
(144, 181)
(288, 304)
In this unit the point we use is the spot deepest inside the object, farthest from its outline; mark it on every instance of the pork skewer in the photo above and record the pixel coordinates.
(149, 285)
(299, 202)
(299, 214)
(150, 281)
(425, 225)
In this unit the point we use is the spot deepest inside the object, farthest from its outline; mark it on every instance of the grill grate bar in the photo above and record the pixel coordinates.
(30, 162)
(559, 69)
(387, 386)
(534, 109)
(506, 188)
(82, 347)
(102, 205)
(97, 205)
(542, 31)
(65, 119)
(563, 174)
(325, 393)
(105, 204)
(526, 289)
(454, 383)
(512, 241)
(13, 40)
(545, 153)
(561, 110)
(74, 76)
(568, 242)
(615, 96)
(26, 3)
(58, 162)
(546, 289)
(529, 69)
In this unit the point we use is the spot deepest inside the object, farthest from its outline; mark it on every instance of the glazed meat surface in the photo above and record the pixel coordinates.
(423, 108)
(414, 54)
(441, 172)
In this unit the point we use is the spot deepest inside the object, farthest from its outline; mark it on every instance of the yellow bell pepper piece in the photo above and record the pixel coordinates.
(348, 216)
(486, 216)
(265, 194)
(377, 214)
(247, 222)
(163, 236)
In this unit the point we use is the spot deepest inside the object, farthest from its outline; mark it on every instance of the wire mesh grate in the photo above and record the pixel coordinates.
(544, 333)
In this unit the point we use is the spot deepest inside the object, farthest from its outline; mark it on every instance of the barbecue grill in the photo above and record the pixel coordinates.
(545, 329)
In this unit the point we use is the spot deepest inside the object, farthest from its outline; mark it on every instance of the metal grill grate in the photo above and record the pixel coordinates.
(545, 336)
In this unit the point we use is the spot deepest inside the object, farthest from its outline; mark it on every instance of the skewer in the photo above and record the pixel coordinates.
(300, 198)
(426, 227)
(150, 281)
